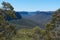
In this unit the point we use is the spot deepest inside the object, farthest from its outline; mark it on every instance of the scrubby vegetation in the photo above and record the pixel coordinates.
(6, 30)
(9, 32)
(37, 34)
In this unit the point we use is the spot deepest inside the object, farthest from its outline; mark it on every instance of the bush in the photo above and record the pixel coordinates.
(37, 30)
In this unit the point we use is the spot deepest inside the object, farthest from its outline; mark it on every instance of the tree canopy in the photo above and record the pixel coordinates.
(6, 30)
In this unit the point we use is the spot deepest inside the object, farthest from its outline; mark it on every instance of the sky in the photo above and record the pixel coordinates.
(34, 5)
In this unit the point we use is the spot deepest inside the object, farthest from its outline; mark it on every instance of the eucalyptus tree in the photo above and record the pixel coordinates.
(6, 30)
(50, 29)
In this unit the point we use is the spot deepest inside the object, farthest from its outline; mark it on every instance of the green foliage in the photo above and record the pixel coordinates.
(28, 34)
(7, 6)
(41, 34)
(56, 18)
(37, 30)
(6, 30)
(50, 33)
(50, 26)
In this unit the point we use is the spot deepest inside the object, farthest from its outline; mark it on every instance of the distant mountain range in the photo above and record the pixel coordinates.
(31, 19)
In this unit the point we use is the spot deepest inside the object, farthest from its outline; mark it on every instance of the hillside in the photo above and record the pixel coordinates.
(41, 18)
(24, 23)
(32, 19)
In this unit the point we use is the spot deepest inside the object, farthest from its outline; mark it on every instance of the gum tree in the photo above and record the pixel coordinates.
(6, 30)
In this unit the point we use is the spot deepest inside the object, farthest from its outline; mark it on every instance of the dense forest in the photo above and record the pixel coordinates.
(9, 32)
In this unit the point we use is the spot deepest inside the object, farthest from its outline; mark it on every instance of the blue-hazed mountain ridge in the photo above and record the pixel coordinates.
(32, 19)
